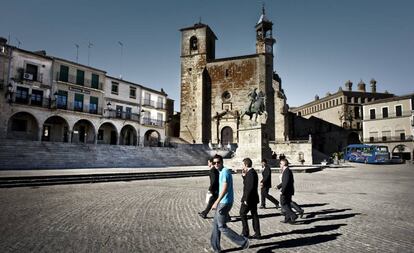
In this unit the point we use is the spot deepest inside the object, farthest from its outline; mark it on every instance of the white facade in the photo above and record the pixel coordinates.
(57, 100)
(390, 122)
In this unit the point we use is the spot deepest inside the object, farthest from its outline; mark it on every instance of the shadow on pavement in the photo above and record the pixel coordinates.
(313, 205)
(326, 218)
(291, 243)
(316, 229)
(325, 211)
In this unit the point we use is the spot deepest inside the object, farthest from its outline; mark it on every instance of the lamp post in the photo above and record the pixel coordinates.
(109, 108)
(9, 93)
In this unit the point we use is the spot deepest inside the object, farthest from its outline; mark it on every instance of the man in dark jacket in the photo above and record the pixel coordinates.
(265, 185)
(287, 191)
(250, 199)
(213, 188)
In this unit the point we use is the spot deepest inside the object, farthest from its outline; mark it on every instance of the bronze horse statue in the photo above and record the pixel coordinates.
(256, 106)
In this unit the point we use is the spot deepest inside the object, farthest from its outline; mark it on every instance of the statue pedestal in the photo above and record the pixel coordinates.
(253, 144)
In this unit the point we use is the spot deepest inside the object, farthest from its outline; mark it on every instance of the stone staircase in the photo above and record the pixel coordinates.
(19, 154)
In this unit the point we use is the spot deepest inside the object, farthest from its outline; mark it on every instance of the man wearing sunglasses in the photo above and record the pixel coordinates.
(223, 206)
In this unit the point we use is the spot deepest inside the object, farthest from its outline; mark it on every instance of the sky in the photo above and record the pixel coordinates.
(320, 44)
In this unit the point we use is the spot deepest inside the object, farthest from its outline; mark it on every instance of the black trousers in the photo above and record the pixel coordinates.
(210, 203)
(295, 206)
(244, 209)
(264, 193)
(285, 202)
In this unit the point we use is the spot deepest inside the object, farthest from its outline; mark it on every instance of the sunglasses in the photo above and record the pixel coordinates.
(214, 163)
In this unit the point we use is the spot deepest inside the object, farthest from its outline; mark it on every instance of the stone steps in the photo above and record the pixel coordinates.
(18, 154)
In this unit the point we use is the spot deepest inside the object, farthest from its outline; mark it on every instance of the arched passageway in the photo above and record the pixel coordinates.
(152, 139)
(23, 126)
(55, 129)
(107, 134)
(128, 136)
(83, 132)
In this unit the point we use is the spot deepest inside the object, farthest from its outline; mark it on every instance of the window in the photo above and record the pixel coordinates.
(95, 81)
(372, 113)
(128, 112)
(80, 77)
(64, 73)
(93, 105)
(398, 110)
(119, 111)
(371, 139)
(19, 125)
(356, 112)
(385, 112)
(22, 95)
(160, 103)
(114, 88)
(147, 99)
(386, 135)
(37, 97)
(349, 99)
(62, 99)
(358, 125)
(402, 136)
(159, 119)
(32, 71)
(78, 106)
(193, 43)
(132, 92)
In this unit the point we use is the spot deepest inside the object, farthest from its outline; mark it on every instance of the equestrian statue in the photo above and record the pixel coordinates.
(256, 105)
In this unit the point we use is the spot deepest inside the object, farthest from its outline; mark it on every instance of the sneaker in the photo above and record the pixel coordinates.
(277, 206)
(202, 215)
(301, 214)
(262, 207)
(257, 236)
(246, 244)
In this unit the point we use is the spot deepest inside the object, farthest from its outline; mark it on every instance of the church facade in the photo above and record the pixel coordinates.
(217, 95)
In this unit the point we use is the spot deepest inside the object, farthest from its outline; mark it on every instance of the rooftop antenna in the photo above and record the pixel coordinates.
(120, 66)
(77, 52)
(89, 51)
(18, 43)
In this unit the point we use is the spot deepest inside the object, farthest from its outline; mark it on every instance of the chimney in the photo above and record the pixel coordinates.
(361, 86)
(348, 85)
(373, 85)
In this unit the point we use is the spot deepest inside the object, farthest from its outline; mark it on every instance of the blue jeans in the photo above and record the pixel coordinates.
(219, 226)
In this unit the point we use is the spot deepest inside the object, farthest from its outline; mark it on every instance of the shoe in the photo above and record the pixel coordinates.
(301, 214)
(257, 236)
(202, 215)
(262, 207)
(284, 221)
(277, 206)
(246, 244)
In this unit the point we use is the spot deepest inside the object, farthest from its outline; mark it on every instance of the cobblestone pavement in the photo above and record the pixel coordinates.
(364, 208)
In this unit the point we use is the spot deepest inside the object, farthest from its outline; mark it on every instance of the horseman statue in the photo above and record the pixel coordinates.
(256, 105)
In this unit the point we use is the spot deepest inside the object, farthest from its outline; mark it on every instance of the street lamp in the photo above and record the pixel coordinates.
(9, 93)
(109, 108)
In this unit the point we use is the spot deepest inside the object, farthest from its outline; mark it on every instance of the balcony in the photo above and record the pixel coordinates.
(152, 122)
(390, 116)
(27, 78)
(49, 104)
(71, 79)
(384, 139)
(122, 115)
(148, 102)
(160, 105)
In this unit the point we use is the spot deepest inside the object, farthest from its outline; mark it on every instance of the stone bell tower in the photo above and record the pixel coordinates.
(197, 49)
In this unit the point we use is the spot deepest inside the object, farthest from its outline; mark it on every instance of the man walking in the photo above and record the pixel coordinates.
(223, 206)
(212, 189)
(250, 199)
(287, 191)
(265, 185)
